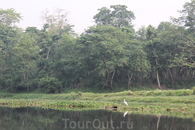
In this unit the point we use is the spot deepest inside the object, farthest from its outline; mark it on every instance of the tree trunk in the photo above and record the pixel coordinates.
(129, 78)
(112, 78)
(172, 79)
(28, 84)
(107, 77)
(157, 77)
(48, 52)
(6, 62)
(24, 76)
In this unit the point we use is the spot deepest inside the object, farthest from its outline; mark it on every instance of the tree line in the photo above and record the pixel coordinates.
(110, 54)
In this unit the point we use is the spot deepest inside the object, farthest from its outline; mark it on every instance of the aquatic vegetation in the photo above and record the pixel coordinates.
(170, 109)
(177, 102)
(53, 103)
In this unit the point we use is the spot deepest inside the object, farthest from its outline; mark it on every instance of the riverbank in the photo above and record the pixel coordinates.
(153, 96)
(179, 103)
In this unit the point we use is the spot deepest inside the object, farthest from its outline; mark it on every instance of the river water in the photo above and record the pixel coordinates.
(30, 118)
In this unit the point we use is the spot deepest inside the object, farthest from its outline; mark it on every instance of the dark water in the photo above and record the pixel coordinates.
(48, 119)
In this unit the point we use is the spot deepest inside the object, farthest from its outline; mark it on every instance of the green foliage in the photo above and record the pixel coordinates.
(50, 84)
(193, 90)
(187, 16)
(8, 37)
(9, 17)
(117, 16)
(152, 96)
(57, 22)
(104, 50)
(25, 56)
(107, 57)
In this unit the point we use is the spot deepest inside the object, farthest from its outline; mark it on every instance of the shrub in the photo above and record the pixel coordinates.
(169, 93)
(185, 93)
(50, 84)
(193, 90)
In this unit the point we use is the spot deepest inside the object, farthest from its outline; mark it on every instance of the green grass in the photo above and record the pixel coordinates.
(153, 96)
(169, 109)
(193, 90)
(180, 102)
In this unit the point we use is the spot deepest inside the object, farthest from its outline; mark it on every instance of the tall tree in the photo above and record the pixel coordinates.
(102, 51)
(171, 38)
(117, 16)
(9, 17)
(57, 22)
(66, 62)
(187, 16)
(25, 60)
(137, 64)
(152, 45)
(8, 38)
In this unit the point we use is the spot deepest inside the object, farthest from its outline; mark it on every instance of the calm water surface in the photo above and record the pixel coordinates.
(48, 119)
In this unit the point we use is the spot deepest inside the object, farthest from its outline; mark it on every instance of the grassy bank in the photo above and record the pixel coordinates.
(153, 96)
(180, 102)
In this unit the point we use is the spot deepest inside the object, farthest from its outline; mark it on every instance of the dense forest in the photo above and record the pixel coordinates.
(110, 54)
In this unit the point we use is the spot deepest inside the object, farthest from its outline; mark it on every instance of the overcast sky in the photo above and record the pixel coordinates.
(81, 12)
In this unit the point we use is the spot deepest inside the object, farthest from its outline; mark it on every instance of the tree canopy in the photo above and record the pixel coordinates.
(9, 17)
(117, 16)
(108, 55)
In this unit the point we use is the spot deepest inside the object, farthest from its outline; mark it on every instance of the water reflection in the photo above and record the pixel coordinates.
(48, 119)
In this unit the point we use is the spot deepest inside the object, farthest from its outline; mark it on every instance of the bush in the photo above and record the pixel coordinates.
(185, 93)
(50, 84)
(193, 90)
(169, 93)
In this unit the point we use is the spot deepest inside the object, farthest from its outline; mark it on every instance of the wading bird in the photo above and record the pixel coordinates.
(125, 102)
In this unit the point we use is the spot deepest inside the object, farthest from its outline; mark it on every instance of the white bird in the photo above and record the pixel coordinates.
(125, 102)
